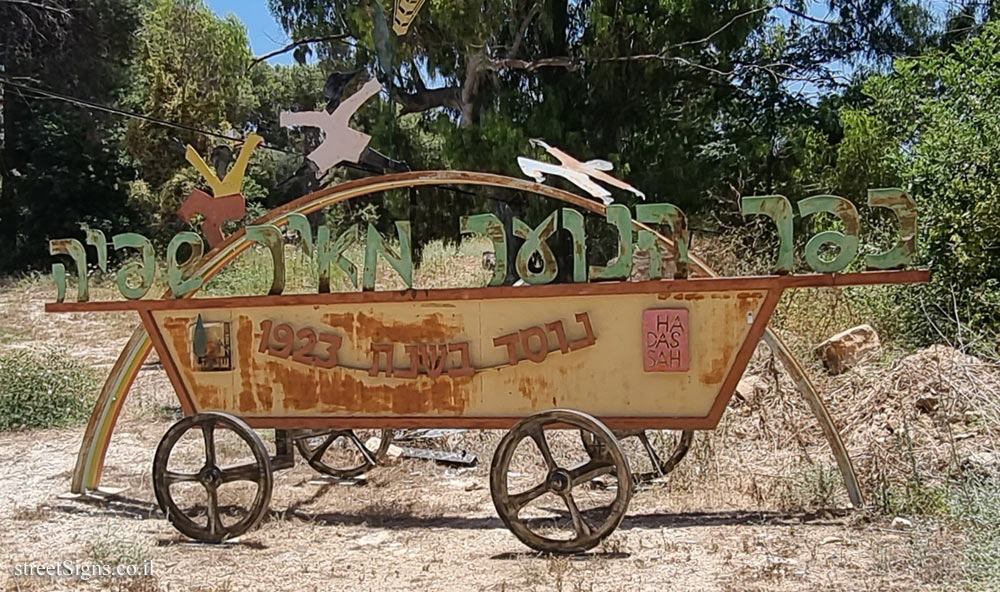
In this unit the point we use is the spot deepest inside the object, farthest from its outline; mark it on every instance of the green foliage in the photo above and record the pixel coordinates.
(975, 505)
(47, 389)
(190, 68)
(61, 165)
(933, 127)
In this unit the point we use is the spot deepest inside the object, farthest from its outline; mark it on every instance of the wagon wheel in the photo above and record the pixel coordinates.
(659, 466)
(562, 482)
(211, 526)
(342, 453)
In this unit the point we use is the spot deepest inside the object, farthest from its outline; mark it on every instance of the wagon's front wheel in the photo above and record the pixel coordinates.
(592, 490)
(203, 498)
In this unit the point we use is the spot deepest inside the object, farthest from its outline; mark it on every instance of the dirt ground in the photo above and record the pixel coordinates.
(716, 524)
(417, 525)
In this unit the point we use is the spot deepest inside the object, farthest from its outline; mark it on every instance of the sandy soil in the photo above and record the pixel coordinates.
(419, 524)
(715, 525)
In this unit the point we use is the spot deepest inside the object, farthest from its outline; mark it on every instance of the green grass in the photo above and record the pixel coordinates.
(974, 504)
(43, 389)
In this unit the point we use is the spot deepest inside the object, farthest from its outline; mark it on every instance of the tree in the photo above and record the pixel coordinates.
(932, 126)
(190, 68)
(61, 165)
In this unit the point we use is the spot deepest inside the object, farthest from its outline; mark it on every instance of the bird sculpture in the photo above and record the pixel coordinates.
(581, 174)
(341, 142)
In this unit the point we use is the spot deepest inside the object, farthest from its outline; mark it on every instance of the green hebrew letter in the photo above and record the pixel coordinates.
(491, 227)
(846, 241)
(270, 236)
(73, 248)
(906, 212)
(375, 245)
(327, 254)
(175, 272)
(621, 217)
(573, 222)
(777, 208)
(672, 216)
(300, 224)
(96, 238)
(146, 270)
(535, 242)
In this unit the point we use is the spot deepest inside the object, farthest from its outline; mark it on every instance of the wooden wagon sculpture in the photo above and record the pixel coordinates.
(603, 355)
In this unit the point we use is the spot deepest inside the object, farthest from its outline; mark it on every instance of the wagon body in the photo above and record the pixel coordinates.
(483, 362)
(659, 354)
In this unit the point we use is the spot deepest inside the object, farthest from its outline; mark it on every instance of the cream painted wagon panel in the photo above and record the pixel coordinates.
(606, 379)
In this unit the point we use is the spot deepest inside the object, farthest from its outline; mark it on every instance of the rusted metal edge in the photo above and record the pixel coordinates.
(771, 282)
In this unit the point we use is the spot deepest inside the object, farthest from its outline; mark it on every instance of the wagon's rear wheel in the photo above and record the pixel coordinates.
(584, 514)
(644, 449)
(201, 496)
(343, 453)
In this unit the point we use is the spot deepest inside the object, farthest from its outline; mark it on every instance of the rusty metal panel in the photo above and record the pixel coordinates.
(97, 239)
(376, 245)
(270, 237)
(75, 250)
(332, 253)
(536, 241)
(491, 227)
(672, 216)
(621, 266)
(179, 276)
(466, 358)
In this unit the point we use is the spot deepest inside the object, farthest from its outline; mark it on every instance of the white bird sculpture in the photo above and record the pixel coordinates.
(341, 142)
(581, 174)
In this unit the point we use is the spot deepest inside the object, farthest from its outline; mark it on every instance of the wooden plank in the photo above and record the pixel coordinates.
(779, 282)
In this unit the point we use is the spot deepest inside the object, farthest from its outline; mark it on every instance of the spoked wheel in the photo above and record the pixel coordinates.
(637, 444)
(343, 453)
(188, 479)
(589, 513)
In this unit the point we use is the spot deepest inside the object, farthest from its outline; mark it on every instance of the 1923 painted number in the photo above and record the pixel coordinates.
(282, 341)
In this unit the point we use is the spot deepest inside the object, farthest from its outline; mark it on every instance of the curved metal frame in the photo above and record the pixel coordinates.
(94, 447)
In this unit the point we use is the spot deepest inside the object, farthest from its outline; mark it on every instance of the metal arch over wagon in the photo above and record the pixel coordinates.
(669, 351)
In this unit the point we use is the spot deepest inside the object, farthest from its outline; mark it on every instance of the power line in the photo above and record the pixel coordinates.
(5, 80)
(116, 111)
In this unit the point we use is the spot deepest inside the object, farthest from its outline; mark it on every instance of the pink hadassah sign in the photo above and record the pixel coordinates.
(665, 334)
(341, 143)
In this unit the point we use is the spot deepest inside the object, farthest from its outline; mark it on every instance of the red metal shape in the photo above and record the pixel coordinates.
(216, 210)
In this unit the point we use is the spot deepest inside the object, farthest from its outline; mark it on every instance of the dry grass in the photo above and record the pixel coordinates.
(757, 505)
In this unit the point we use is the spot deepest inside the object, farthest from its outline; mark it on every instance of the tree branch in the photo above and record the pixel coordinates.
(523, 30)
(39, 5)
(711, 35)
(424, 100)
(290, 46)
(805, 16)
